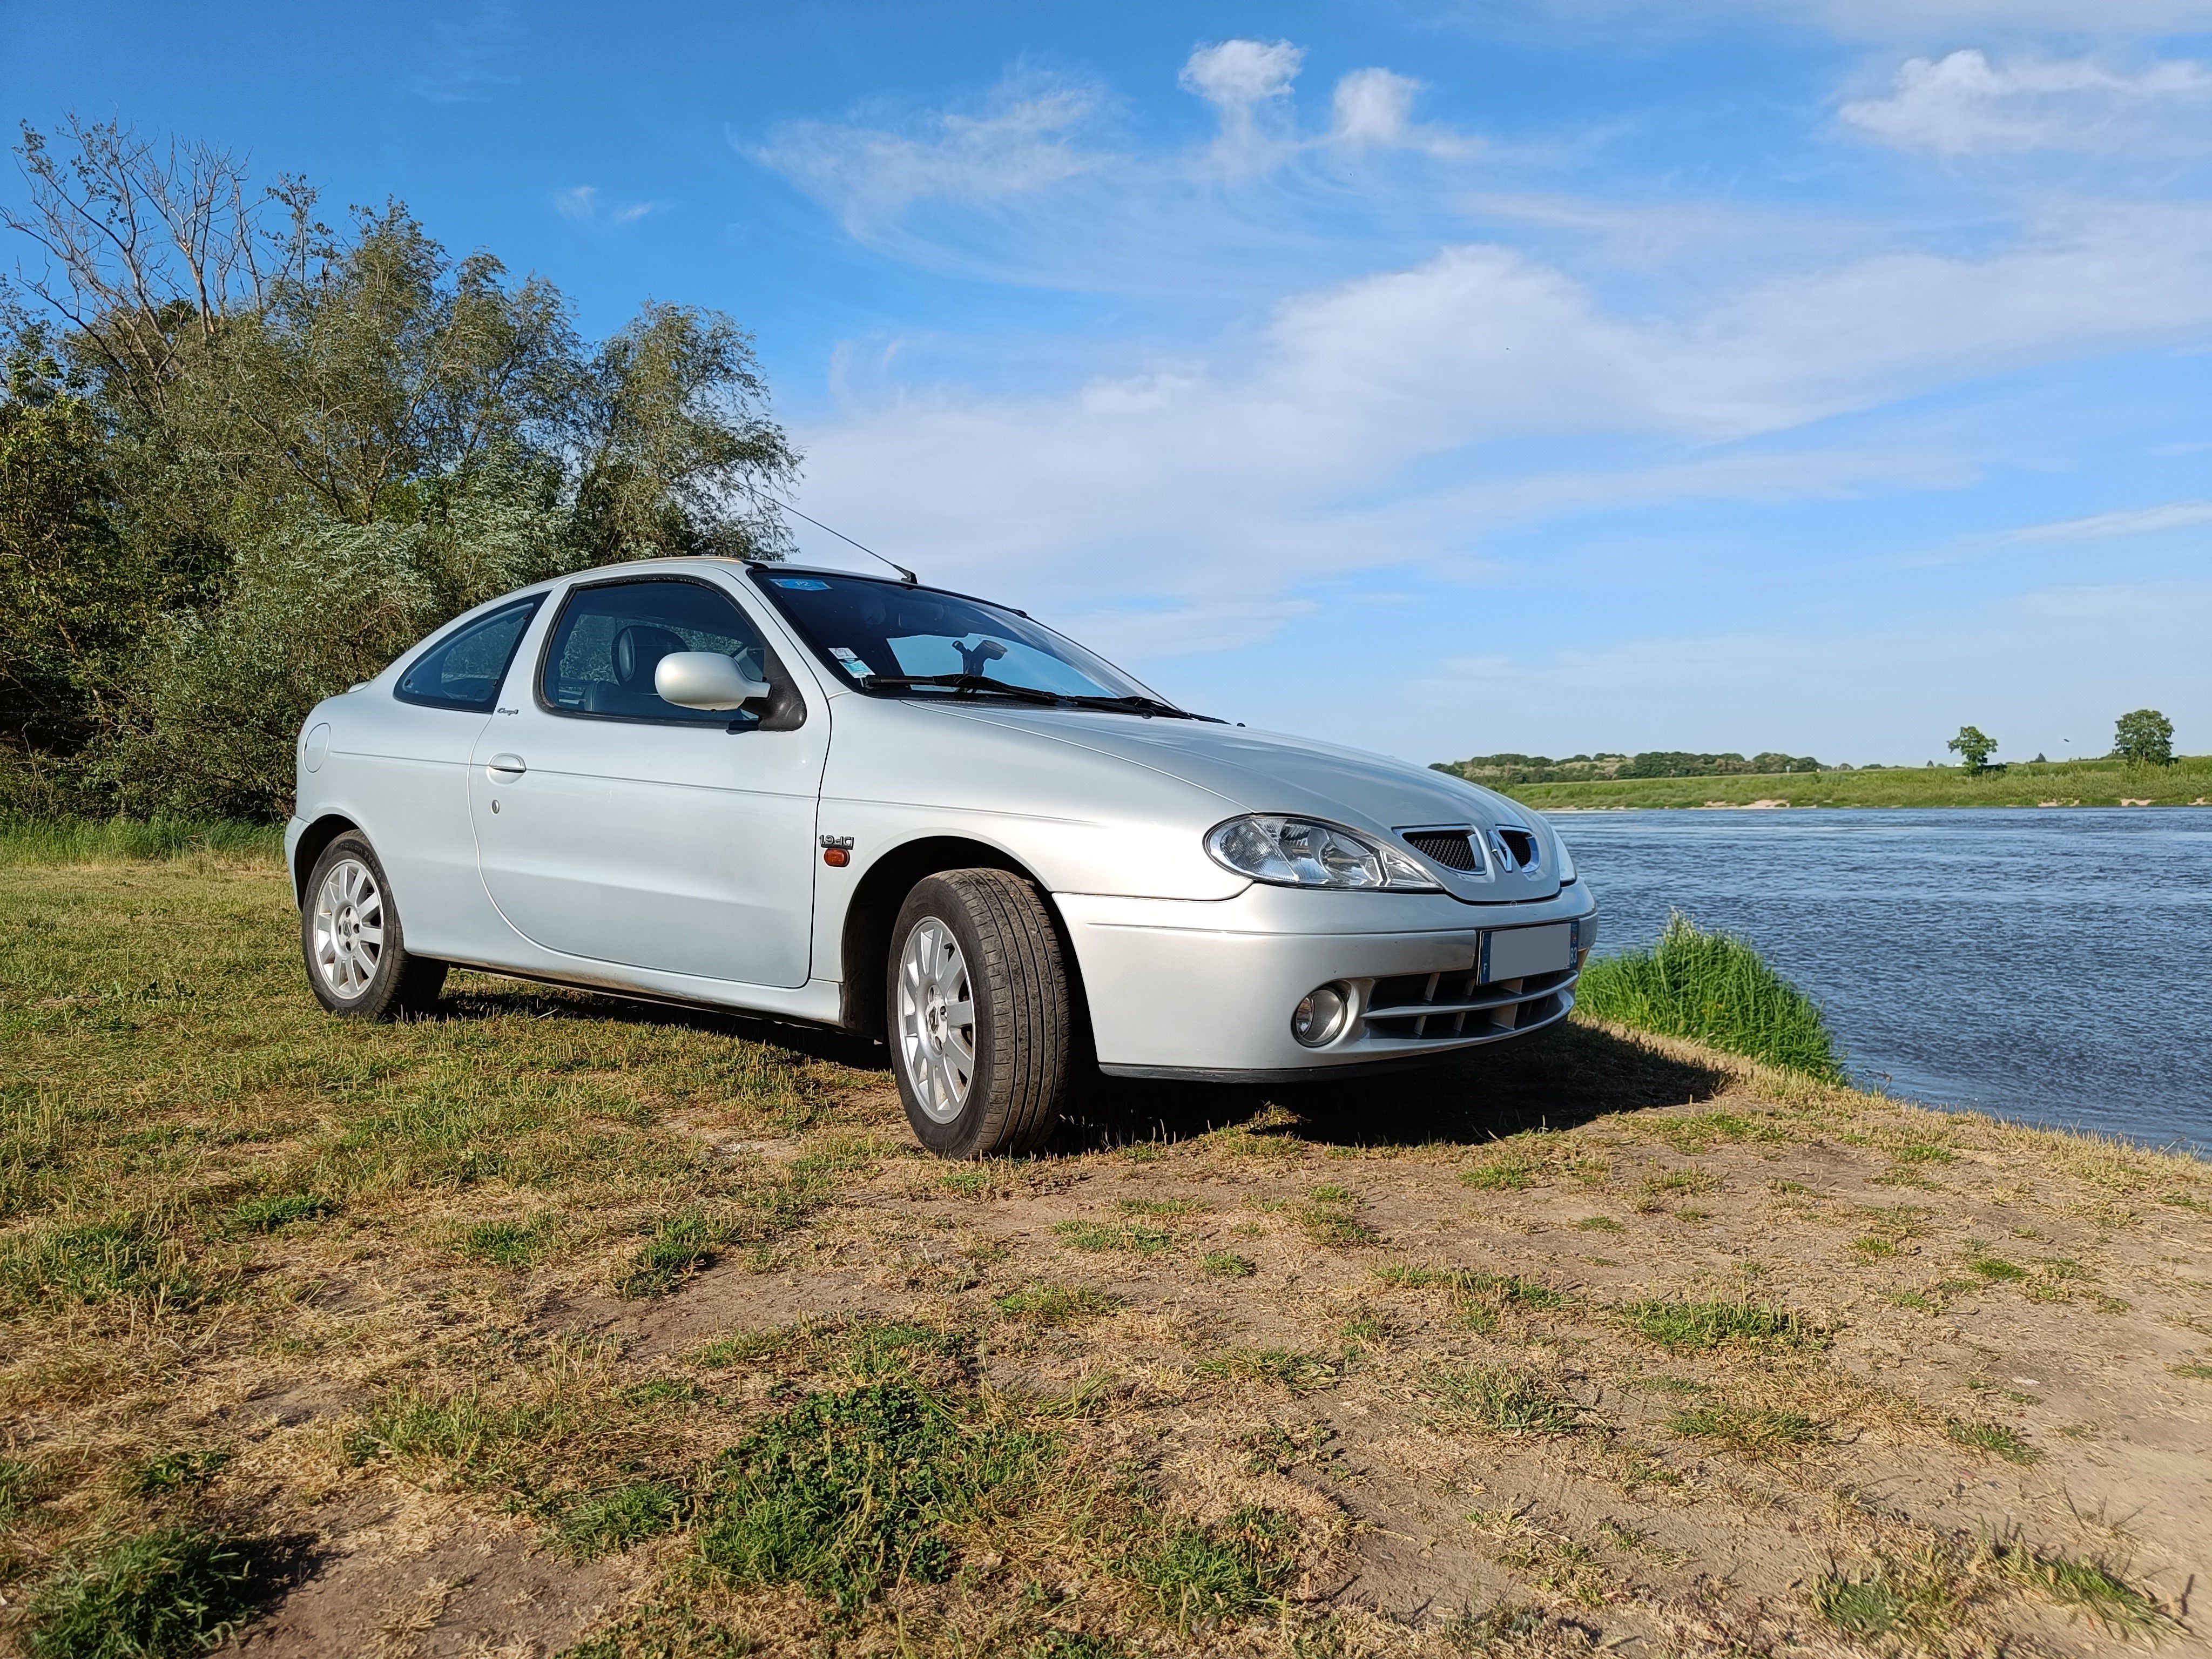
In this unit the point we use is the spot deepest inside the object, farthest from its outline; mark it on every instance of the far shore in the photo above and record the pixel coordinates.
(2186, 781)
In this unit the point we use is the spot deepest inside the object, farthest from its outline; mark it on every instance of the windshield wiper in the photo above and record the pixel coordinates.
(1135, 704)
(1132, 704)
(970, 683)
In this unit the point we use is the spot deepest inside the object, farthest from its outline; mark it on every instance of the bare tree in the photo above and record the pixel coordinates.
(147, 244)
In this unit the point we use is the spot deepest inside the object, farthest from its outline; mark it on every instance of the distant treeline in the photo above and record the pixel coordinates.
(1653, 763)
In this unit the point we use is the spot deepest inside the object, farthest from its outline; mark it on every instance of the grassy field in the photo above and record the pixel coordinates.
(556, 1325)
(2186, 782)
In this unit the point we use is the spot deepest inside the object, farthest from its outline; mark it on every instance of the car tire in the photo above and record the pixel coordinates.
(982, 944)
(358, 963)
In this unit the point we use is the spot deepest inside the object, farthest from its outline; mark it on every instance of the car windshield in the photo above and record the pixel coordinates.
(893, 639)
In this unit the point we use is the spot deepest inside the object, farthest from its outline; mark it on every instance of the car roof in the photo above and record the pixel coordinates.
(726, 560)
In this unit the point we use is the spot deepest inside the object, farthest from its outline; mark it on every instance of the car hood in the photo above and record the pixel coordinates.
(1276, 772)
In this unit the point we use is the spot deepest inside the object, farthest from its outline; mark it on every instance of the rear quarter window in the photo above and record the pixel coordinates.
(465, 669)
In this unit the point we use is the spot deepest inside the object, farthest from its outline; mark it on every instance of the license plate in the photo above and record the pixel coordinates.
(1519, 952)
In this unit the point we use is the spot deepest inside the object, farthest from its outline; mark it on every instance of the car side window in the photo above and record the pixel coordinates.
(612, 636)
(467, 668)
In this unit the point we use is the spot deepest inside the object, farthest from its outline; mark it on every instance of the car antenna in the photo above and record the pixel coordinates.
(912, 580)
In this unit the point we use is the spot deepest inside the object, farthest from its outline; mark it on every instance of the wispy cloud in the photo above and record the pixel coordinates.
(1024, 141)
(2102, 526)
(585, 205)
(1964, 104)
(467, 58)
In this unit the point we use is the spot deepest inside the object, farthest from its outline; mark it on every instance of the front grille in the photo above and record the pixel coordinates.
(1451, 848)
(1440, 1006)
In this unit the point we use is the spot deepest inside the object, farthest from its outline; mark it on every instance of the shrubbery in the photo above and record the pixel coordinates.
(241, 469)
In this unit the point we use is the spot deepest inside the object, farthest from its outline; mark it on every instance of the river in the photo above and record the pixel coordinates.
(2052, 967)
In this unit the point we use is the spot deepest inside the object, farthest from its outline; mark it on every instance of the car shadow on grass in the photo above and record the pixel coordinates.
(487, 996)
(1554, 1080)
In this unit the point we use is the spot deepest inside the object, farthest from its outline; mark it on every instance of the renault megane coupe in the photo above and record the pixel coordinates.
(918, 816)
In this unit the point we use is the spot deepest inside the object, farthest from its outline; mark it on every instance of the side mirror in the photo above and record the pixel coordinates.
(705, 680)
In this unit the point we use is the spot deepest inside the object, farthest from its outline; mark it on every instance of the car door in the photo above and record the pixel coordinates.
(615, 827)
(398, 764)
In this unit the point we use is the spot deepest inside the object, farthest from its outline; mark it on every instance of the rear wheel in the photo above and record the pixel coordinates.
(358, 963)
(978, 1013)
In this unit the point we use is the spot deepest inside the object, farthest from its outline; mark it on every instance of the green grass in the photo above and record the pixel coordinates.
(1507, 1399)
(2027, 783)
(507, 1243)
(1755, 1431)
(850, 1492)
(1227, 1264)
(2088, 1587)
(135, 840)
(1239, 1565)
(1330, 1217)
(1501, 1174)
(172, 1592)
(266, 1214)
(1054, 1305)
(1097, 1238)
(176, 1471)
(1992, 1437)
(1716, 989)
(609, 1522)
(124, 1260)
(1683, 1326)
(1286, 1367)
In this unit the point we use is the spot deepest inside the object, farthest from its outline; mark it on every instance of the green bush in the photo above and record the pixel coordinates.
(165, 1593)
(1716, 989)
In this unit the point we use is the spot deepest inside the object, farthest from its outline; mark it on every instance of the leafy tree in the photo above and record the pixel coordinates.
(245, 459)
(1973, 747)
(2144, 737)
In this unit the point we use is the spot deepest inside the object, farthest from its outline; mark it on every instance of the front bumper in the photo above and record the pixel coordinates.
(1186, 988)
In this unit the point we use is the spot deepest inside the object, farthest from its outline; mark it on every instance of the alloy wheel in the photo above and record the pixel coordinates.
(937, 1019)
(349, 928)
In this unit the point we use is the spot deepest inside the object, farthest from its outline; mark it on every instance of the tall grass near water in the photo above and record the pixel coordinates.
(1716, 989)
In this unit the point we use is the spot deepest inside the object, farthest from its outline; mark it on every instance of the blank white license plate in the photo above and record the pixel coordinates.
(1518, 952)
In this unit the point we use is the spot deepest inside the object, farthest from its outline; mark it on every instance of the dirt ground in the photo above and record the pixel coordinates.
(1602, 1343)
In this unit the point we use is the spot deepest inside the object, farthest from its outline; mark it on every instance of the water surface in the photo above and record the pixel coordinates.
(2053, 966)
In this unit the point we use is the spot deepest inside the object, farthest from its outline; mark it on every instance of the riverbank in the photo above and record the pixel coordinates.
(2186, 782)
(557, 1322)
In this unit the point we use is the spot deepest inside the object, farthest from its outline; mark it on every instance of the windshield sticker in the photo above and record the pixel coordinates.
(852, 664)
(804, 584)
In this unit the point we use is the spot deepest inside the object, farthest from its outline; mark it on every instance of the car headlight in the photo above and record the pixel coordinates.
(1299, 852)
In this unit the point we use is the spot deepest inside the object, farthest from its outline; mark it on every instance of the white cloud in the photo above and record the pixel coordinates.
(585, 205)
(1349, 432)
(1374, 107)
(1963, 104)
(1024, 142)
(2129, 521)
(1236, 74)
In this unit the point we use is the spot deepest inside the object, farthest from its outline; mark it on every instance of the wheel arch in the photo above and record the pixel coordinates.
(312, 839)
(866, 937)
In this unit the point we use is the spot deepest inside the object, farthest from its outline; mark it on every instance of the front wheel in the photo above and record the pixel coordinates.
(357, 959)
(977, 1007)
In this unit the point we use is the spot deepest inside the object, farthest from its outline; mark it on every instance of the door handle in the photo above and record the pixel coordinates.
(504, 765)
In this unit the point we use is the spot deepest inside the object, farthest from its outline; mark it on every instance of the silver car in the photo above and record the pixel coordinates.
(918, 816)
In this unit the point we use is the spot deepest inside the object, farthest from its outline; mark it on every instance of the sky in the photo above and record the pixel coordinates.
(1442, 377)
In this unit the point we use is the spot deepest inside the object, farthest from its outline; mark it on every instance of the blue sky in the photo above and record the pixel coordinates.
(1441, 378)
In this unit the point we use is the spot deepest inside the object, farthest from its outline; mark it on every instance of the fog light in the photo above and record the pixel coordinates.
(1321, 1014)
